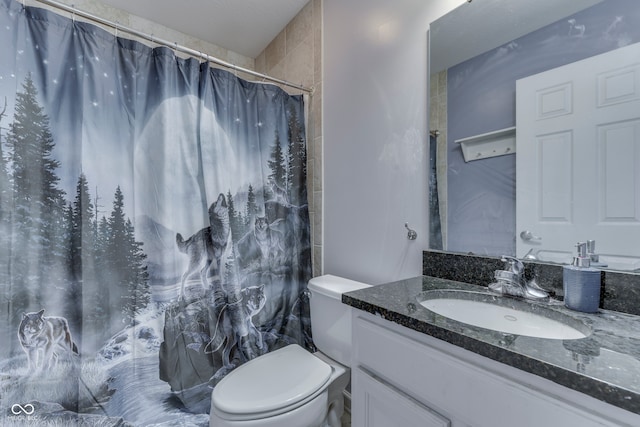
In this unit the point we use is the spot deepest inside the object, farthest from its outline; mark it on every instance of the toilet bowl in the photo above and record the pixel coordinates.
(292, 387)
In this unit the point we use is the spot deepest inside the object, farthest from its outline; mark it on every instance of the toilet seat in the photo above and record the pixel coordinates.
(288, 378)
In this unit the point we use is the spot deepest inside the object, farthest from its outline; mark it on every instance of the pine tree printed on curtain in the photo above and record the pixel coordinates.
(154, 226)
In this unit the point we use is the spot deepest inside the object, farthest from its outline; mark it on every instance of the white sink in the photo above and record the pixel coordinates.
(491, 314)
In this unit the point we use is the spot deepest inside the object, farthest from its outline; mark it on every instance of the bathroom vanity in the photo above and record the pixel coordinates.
(413, 367)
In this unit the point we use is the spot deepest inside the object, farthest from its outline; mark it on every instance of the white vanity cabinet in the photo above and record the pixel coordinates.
(404, 378)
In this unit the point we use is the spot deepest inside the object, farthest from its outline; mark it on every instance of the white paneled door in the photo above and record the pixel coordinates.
(578, 159)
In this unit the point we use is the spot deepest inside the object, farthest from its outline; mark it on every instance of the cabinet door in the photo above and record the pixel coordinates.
(377, 404)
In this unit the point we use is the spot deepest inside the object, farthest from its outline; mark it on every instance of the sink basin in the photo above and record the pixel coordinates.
(502, 314)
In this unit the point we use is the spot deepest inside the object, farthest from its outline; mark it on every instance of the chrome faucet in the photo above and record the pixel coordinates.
(511, 282)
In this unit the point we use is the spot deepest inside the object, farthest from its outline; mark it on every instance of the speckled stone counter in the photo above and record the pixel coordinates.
(604, 365)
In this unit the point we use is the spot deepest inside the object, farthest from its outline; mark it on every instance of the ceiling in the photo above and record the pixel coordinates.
(242, 26)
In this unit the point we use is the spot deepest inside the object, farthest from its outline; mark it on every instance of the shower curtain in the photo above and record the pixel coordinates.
(154, 226)
(435, 228)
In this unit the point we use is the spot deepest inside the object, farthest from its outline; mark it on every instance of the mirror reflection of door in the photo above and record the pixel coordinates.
(578, 159)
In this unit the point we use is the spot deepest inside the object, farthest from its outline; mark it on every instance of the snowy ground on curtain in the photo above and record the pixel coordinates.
(118, 387)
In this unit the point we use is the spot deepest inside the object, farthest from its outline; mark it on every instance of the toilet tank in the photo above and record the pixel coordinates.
(330, 318)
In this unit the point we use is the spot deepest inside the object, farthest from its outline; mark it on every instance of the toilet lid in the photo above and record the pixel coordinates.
(272, 381)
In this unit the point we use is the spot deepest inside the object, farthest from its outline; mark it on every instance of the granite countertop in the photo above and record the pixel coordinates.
(604, 365)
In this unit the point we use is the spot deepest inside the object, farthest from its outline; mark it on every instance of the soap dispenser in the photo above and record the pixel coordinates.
(581, 283)
(593, 257)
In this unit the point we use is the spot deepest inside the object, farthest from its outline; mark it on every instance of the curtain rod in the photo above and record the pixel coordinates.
(171, 45)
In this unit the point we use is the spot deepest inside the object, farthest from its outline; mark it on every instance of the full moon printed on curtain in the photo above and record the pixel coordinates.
(154, 226)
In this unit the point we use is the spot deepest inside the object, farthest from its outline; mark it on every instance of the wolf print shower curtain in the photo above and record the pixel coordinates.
(154, 226)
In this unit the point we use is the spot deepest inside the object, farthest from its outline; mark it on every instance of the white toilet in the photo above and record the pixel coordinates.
(291, 387)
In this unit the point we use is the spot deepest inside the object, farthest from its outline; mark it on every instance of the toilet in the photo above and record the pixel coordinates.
(291, 387)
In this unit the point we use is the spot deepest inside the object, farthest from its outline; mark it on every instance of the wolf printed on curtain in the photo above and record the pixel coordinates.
(154, 226)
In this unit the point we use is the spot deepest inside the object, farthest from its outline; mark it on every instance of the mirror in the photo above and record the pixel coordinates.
(477, 54)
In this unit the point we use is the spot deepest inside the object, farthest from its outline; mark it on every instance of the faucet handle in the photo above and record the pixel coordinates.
(513, 264)
(534, 291)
